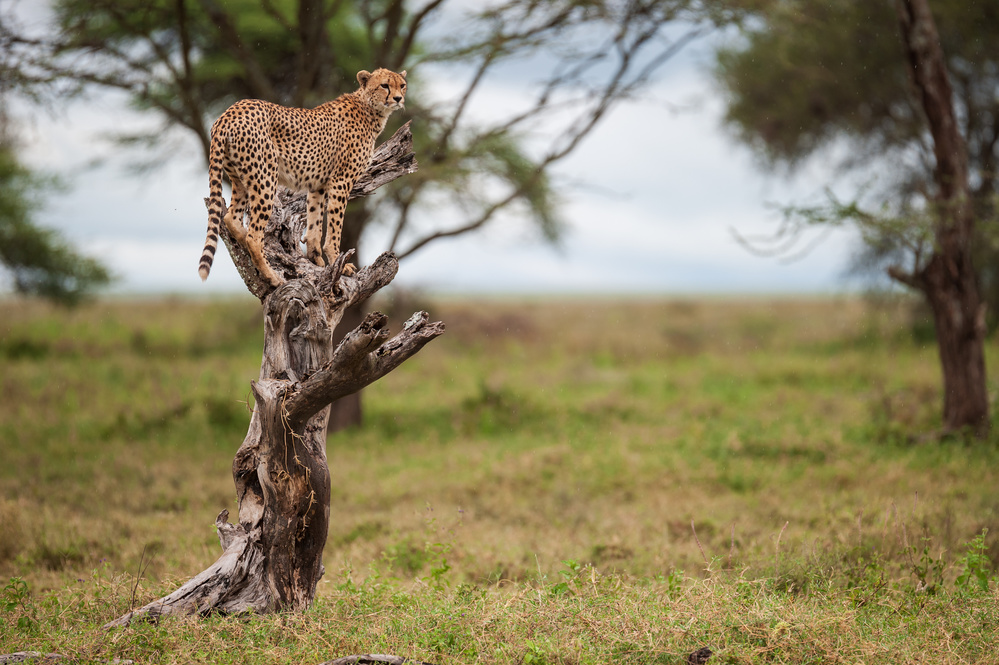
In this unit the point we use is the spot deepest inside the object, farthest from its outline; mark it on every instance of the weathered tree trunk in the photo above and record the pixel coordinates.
(272, 556)
(948, 279)
(959, 318)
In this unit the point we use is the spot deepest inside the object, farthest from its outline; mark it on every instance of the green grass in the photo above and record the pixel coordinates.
(549, 482)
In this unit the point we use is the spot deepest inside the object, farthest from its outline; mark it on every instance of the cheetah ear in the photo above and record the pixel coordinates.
(403, 73)
(362, 77)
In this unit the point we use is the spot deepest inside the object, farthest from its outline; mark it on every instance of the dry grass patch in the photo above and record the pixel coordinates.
(533, 433)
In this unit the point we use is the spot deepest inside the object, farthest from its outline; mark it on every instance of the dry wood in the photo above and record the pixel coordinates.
(272, 555)
(31, 657)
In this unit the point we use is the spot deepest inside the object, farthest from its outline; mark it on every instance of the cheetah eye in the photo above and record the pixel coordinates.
(385, 85)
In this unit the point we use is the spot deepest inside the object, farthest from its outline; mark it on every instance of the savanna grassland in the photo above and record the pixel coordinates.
(552, 481)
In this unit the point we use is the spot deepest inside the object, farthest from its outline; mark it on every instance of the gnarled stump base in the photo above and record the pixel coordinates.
(272, 558)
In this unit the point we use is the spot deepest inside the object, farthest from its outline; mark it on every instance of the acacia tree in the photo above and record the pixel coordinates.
(876, 77)
(947, 279)
(184, 61)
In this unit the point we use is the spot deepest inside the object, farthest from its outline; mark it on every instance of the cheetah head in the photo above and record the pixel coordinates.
(384, 89)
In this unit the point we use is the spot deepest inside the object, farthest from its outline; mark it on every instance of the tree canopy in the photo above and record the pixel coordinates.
(914, 108)
(806, 78)
(186, 60)
(39, 261)
(808, 74)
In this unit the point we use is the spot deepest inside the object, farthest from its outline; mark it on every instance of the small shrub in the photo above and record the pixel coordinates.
(405, 557)
(17, 605)
(437, 556)
(976, 567)
(928, 571)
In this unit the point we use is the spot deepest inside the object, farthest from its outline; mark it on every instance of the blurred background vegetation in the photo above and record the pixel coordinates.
(724, 462)
(532, 433)
(726, 465)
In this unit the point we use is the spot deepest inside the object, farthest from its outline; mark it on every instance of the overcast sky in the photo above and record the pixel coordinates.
(651, 199)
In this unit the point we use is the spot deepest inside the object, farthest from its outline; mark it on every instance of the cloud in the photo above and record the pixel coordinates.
(151, 266)
(651, 199)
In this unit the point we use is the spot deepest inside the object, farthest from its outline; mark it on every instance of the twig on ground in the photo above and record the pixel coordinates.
(138, 577)
(777, 551)
(698, 541)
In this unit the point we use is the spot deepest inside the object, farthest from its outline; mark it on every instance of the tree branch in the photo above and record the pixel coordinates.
(622, 81)
(256, 77)
(359, 360)
(275, 13)
(414, 28)
(910, 279)
(272, 558)
(314, 49)
(926, 65)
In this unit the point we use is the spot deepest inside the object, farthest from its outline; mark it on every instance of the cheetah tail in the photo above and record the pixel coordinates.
(215, 206)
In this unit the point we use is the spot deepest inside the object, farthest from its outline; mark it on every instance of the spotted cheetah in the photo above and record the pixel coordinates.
(322, 151)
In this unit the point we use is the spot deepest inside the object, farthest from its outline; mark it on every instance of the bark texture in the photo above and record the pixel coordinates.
(948, 279)
(272, 554)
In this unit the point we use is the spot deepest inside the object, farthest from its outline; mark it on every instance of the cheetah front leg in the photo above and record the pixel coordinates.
(316, 203)
(336, 200)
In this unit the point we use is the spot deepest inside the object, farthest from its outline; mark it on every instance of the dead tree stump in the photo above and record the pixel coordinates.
(272, 555)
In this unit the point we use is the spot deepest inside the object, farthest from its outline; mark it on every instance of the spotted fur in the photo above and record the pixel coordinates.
(322, 151)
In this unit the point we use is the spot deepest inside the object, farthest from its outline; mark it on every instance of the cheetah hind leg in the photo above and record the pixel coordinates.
(237, 207)
(255, 247)
(261, 207)
(334, 231)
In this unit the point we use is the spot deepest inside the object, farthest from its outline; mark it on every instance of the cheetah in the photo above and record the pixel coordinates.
(322, 151)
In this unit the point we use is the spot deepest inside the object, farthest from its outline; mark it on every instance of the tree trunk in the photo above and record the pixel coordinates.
(348, 411)
(948, 279)
(272, 557)
(959, 319)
